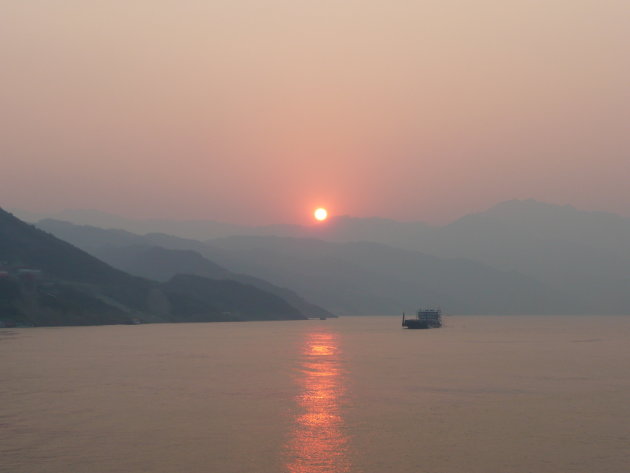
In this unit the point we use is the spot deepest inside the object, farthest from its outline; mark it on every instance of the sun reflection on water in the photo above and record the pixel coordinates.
(318, 442)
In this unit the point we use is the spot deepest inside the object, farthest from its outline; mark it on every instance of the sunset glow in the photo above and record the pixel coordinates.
(320, 214)
(318, 441)
(246, 96)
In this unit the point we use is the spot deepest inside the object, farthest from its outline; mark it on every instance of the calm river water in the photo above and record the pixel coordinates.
(356, 394)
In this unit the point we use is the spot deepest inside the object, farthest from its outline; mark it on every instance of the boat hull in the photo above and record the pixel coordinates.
(425, 318)
(420, 324)
(416, 324)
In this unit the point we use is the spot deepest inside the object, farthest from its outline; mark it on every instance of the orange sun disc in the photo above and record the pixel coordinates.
(320, 214)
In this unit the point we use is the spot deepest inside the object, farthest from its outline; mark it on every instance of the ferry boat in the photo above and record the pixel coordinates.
(425, 318)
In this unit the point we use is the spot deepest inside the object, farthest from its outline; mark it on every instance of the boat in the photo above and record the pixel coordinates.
(425, 318)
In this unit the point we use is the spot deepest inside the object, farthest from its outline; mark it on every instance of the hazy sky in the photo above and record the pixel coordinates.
(258, 111)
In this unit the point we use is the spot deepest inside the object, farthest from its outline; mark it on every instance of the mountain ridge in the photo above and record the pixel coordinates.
(348, 278)
(47, 281)
(582, 256)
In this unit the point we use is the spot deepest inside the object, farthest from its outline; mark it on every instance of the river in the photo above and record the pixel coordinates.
(355, 394)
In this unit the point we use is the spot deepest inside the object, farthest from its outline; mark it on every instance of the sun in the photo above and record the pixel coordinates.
(320, 214)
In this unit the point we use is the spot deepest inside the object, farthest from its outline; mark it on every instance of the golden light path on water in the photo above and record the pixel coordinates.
(318, 442)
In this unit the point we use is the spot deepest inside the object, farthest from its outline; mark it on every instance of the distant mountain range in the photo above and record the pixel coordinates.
(517, 257)
(535, 219)
(341, 228)
(47, 281)
(160, 257)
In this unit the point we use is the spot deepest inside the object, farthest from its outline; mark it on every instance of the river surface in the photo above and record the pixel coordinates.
(356, 394)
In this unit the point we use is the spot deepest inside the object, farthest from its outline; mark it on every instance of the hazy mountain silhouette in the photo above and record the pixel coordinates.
(162, 264)
(538, 219)
(160, 257)
(349, 278)
(194, 229)
(583, 256)
(47, 281)
(337, 228)
(597, 229)
(372, 278)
